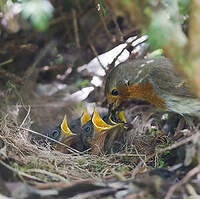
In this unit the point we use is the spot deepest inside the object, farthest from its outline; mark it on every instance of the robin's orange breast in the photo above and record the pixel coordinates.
(142, 91)
(153, 80)
(145, 91)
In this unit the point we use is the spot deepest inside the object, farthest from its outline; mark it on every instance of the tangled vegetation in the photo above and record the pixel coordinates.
(52, 64)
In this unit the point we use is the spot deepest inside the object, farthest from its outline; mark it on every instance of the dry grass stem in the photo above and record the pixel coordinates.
(190, 174)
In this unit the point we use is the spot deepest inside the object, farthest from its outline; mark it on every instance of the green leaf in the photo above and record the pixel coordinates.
(184, 6)
(39, 12)
(127, 2)
(159, 30)
(59, 59)
(156, 53)
(82, 82)
(102, 8)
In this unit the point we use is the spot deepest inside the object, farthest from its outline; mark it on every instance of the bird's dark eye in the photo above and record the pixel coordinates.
(55, 133)
(115, 92)
(87, 128)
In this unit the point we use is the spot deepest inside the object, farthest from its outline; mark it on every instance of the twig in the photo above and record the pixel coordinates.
(51, 185)
(141, 194)
(121, 37)
(6, 62)
(60, 19)
(192, 191)
(69, 148)
(95, 193)
(20, 172)
(28, 113)
(96, 54)
(180, 126)
(85, 171)
(49, 174)
(114, 60)
(144, 163)
(173, 188)
(104, 23)
(125, 48)
(77, 40)
(177, 144)
(31, 73)
(128, 155)
(94, 33)
(119, 32)
(159, 151)
(61, 104)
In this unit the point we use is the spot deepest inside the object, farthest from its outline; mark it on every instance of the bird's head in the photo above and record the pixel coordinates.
(69, 128)
(117, 86)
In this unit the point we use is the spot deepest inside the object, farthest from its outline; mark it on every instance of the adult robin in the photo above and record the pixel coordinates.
(153, 80)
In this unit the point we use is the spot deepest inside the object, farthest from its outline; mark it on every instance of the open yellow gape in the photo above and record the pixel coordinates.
(99, 124)
(65, 128)
(85, 117)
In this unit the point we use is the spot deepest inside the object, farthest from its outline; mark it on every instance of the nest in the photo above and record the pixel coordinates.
(47, 164)
(35, 164)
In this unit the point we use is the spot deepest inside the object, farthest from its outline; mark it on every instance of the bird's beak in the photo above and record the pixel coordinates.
(111, 121)
(111, 108)
(85, 117)
(65, 128)
(99, 124)
(122, 116)
(115, 105)
(101, 129)
(117, 113)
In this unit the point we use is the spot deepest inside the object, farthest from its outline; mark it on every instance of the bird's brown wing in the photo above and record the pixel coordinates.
(166, 80)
